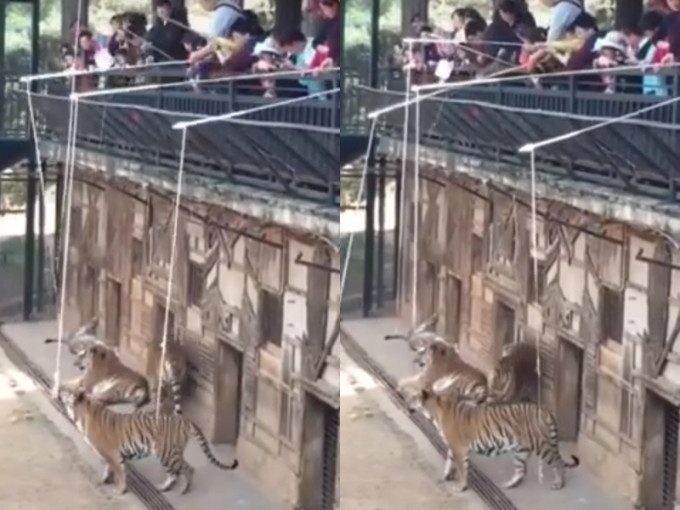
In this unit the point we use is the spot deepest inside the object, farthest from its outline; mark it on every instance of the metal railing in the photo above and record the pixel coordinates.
(491, 122)
(297, 156)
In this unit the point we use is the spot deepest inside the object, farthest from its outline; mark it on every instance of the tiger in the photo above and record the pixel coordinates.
(514, 378)
(109, 379)
(119, 437)
(81, 339)
(438, 358)
(493, 429)
(174, 374)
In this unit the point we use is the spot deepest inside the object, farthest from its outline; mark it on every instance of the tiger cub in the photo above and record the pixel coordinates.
(514, 378)
(108, 379)
(493, 429)
(119, 437)
(174, 374)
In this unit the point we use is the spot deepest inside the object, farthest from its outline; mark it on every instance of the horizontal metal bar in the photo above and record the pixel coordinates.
(315, 265)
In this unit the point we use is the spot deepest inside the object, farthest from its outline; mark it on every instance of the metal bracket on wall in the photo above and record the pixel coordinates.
(330, 269)
(650, 260)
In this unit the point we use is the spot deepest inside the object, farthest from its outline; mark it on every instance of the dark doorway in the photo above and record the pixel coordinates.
(228, 394)
(319, 455)
(453, 295)
(660, 462)
(569, 390)
(113, 306)
(505, 325)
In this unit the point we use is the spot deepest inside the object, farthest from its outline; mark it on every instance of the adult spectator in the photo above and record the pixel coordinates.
(166, 34)
(330, 10)
(563, 14)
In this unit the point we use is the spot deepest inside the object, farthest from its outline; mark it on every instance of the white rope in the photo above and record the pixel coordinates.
(531, 147)
(489, 80)
(223, 79)
(171, 274)
(67, 199)
(534, 249)
(66, 237)
(227, 116)
(416, 215)
(69, 73)
(360, 193)
(402, 177)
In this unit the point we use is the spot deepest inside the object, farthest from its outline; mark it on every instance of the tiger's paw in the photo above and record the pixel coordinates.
(462, 487)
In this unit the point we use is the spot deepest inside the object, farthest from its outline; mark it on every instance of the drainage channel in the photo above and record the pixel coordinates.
(485, 488)
(138, 484)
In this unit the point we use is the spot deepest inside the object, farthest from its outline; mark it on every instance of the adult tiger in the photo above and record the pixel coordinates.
(118, 437)
(108, 379)
(80, 339)
(514, 378)
(492, 429)
(437, 358)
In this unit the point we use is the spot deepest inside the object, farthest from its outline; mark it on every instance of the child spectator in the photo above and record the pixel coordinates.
(268, 60)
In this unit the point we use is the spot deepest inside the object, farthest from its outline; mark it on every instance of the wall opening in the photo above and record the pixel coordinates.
(453, 295)
(113, 311)
(228, 394)
(321, 428)
(660, 459)
(505, 325)
(569, 390)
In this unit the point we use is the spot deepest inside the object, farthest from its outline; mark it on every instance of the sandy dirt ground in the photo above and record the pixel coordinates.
(40, 468)
(381, 465)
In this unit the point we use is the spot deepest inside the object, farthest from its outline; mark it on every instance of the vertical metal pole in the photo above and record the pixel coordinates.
(3, 102)
(375, 44)
(29, 243)
(416, 213)
(397, 233)
(40, 285)
(381, 235)
(369, 241)
(402, 291)
(59, 207)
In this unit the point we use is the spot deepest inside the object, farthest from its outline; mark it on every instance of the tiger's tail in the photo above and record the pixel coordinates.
(203, 442)
(177, 396)
(575, 461)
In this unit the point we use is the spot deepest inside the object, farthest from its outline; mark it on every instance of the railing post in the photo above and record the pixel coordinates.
(380, 283)
(676, 138)
(369, 241)
(29, 241)
(59, 207)
(40, 281)
(397, 229)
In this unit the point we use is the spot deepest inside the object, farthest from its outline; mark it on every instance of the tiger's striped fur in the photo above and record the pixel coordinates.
(514, 378)
(441, 359)
(107, 379)
(119, 437)
(174, 375)
(493, 429)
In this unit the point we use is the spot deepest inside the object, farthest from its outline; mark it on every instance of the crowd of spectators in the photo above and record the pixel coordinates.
(236, 43)
(512, 43)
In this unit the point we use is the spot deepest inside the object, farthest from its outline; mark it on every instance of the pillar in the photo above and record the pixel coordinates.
(29, 245)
